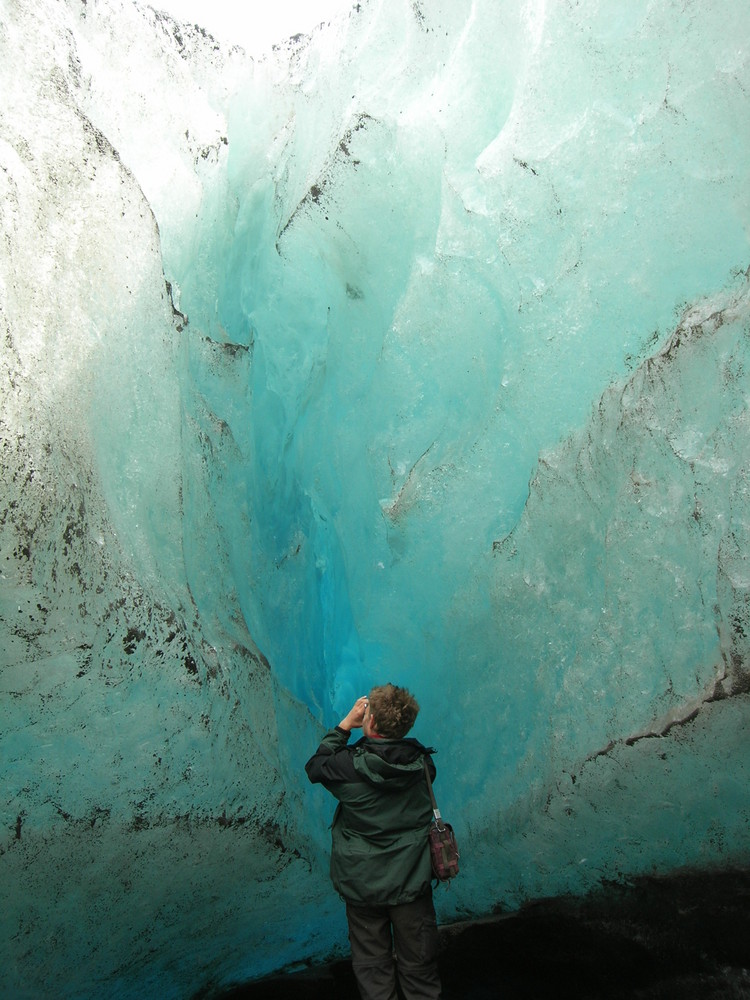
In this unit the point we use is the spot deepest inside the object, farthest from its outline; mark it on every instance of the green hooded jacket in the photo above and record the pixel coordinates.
(379, 852)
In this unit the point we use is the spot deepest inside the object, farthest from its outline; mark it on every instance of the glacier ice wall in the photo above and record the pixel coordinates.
(416, 350)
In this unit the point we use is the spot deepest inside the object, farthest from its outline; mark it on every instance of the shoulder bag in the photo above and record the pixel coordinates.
(442, 841)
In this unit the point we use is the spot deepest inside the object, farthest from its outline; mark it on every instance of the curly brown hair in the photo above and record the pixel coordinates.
(393, 711)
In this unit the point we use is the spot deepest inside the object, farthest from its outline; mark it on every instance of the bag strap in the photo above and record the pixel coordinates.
(435, 810)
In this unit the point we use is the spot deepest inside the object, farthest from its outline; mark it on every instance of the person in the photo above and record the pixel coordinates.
(380, 858)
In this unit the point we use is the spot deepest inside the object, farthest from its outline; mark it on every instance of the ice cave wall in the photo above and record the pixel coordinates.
(417, 349)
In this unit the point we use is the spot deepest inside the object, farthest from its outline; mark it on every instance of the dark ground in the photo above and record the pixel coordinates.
(661, 938)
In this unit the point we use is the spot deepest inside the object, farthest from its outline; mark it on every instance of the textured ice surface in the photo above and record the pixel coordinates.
(417, 350)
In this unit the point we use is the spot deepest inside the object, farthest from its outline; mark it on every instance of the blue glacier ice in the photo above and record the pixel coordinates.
(415, 349)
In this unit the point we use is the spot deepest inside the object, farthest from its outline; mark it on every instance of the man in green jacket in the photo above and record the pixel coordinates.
(380, 859)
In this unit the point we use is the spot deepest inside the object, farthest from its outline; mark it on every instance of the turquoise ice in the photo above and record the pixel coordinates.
(415, 350)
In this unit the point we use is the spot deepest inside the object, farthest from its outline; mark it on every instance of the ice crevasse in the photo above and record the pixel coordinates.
(414, 349)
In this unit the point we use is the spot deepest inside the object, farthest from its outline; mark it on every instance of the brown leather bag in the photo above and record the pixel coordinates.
(443, 847)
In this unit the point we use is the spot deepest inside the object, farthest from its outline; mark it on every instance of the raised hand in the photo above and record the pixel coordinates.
(355, 716)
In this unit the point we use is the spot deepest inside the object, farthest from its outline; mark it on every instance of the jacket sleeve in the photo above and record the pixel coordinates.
(331, 762)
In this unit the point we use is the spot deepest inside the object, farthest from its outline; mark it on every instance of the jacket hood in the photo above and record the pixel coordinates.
(397, 761)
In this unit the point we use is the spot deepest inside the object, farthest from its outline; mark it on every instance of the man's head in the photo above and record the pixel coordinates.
(392, 712)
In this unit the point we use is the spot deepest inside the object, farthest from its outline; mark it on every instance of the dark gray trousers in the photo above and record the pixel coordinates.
(390, 939)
